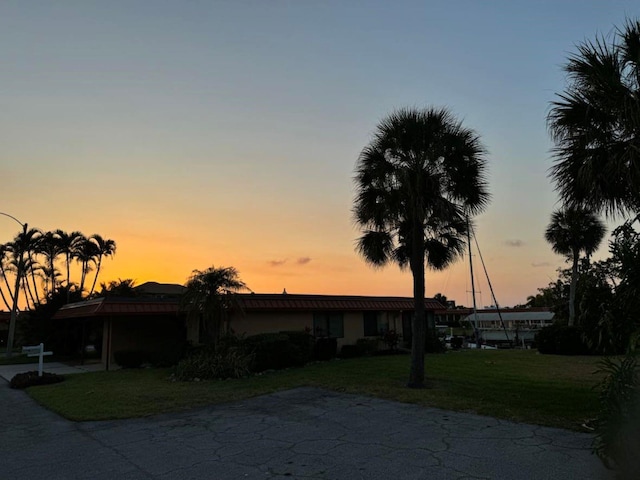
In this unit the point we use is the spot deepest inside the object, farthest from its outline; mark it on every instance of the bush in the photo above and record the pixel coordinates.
(274, 351)
(325, 348)
(367, 346)
(617, 440)
(208, 363)
(456, 343)
(391, 339)
(350, 351)
(129, 358)
(561, 340)
(30, 379)
(304, 341)
(432, 343)
(168, 356)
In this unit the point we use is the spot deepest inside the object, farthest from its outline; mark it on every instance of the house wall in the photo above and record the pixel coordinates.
(252, 323)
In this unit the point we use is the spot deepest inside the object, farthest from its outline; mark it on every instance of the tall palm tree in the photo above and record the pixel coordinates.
(572, 231)
(106, 248)
(24, 248)
(50, 249)
(416, 182)
(67, 244)
(86, 253)
(4, 262)
(595, 125)
(18, 260)
(208, 297)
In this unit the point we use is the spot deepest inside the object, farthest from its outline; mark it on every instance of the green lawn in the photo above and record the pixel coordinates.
(512, 384)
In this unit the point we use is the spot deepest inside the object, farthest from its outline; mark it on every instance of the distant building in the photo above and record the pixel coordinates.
(519, 324)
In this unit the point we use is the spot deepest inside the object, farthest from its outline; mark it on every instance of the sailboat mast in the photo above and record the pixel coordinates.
(473, 288)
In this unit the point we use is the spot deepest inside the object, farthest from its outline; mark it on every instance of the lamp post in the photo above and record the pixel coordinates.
(14, 306)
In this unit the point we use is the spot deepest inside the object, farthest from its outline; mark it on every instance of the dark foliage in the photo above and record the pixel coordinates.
(391, 339)
(350, 351)
(617, 440)
(130, 358)
(31, 379)
(214, 362)
(325, 349)
(36, 325)
(168, 355)
(304, 341)
(367, 346)
(456, 343)
(561, 340)
(274, 351)
(433, 343)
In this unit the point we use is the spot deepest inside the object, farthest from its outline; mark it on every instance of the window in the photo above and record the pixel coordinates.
(328, 324)
(375, 323)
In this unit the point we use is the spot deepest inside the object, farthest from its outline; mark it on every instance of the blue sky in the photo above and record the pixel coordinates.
(201, 132)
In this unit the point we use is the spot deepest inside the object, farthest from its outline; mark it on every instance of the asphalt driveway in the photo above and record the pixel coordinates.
(303, 433)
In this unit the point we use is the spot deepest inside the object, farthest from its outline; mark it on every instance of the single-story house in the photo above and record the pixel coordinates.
(115, 324)
(152, 323)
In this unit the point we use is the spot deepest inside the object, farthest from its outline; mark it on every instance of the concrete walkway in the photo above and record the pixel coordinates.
(303, 433)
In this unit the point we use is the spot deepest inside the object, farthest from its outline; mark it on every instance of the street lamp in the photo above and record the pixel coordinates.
(14, 306)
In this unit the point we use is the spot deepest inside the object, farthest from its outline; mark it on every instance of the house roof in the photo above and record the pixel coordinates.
(295, 302)
(253, 302)
(118, 306)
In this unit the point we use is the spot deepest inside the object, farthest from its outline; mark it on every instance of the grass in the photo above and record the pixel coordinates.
(512, 384)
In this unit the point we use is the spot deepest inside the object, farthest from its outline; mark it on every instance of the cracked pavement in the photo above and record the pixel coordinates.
(305, 433)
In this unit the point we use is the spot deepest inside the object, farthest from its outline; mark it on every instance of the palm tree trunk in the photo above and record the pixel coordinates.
(68, 259)
(35, 296)
(572, 289)
(85, 268)
(14, 313)
(95, 279)
(418, 326)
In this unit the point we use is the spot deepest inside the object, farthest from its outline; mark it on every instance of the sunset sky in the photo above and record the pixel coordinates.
(199, 133)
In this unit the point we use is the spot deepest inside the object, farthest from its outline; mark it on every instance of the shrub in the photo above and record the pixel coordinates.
(325, 348)
(350, 351)
(617, 440)
(209, 363)
(30, 379)
(432, 343)
(367, 346)
(167, 356)
(129, 358)
(391, 339)
(304, 341)
(273, 351)
(561, 340)
(456, 343)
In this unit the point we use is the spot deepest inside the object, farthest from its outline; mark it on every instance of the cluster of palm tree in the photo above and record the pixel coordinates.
(595, 125)
(39, 263)
(36, 264)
